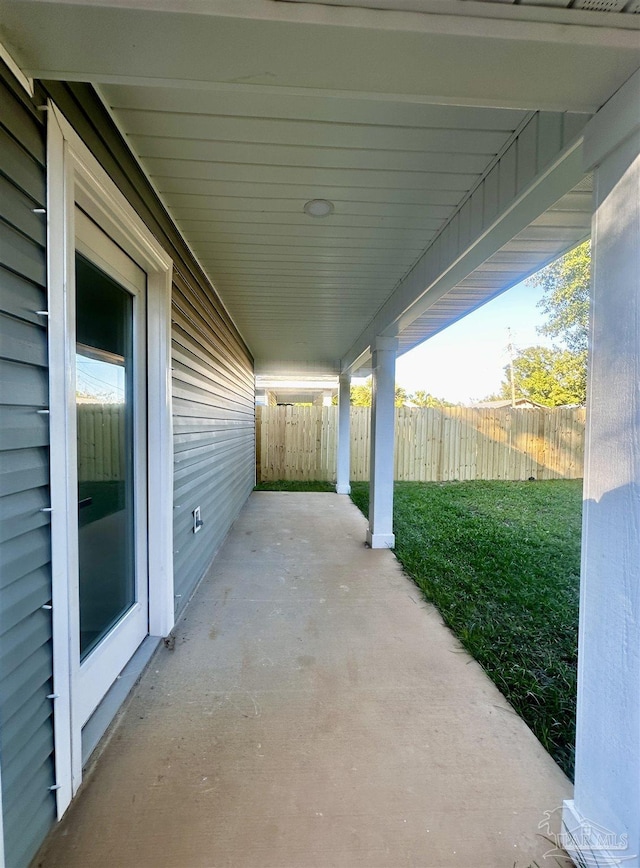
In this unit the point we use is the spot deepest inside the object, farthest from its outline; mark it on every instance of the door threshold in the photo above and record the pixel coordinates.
(98, 723)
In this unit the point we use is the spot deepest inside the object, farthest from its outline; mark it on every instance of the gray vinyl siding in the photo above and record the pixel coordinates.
(26, 663)
(213, 386)
(213, 407)
(214, 423)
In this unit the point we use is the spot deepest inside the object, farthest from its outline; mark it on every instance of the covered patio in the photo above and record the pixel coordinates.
(315, 711)
(298, 190)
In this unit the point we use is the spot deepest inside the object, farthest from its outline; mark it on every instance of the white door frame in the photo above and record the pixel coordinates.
(114, 650)
(74, 176)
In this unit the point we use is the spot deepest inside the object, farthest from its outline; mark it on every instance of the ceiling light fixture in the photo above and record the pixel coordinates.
(318, 207)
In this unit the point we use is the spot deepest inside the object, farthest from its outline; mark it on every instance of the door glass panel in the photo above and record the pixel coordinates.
(104, 408)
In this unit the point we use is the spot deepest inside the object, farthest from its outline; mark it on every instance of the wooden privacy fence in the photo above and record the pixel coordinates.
(101, 451)
(432, 444)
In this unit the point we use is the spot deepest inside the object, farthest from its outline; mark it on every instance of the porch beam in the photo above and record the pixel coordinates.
(380, 532)
(516, 56)
(343, 485)
(503, 204)
(607, 779)
(438, 16)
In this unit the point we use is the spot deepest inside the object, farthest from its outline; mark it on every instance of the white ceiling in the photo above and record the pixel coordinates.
(235, 173)
(242, 110)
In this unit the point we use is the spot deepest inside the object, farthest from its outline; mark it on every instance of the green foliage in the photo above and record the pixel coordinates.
(552, 377)
(566, 285)
(401, 396)
(501, 562)
(361, 397)
(307, 485)
(559, 375)
(426, 399)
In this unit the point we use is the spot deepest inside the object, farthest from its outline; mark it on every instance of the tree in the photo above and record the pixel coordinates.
(559, 375)
(426, 399)
(361, 395)
(401, 396)
(566, 285)
(548, 376)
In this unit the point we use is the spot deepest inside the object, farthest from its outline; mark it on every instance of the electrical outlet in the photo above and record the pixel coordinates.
(197, 520)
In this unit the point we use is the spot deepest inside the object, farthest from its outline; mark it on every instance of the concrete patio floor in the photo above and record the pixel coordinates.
(315, 712)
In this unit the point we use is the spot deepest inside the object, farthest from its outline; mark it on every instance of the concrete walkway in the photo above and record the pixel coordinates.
(315, 712)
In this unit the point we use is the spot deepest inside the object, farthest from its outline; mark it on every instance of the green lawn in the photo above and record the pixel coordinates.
(288, 485)
(500, 560)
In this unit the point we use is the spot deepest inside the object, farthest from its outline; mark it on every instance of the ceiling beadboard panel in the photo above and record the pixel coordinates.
(236, 170)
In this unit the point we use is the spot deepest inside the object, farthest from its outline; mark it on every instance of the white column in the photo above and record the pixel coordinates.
(344, 435)
(383, 416)
(607, 778)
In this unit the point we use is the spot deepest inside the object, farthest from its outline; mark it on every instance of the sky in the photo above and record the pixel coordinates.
(101, 381)
(465, 362)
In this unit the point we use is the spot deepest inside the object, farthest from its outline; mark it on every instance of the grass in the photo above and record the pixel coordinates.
(291, 485)
(500, 560)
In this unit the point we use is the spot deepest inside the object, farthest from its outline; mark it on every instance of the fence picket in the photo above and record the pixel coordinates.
(432, 444)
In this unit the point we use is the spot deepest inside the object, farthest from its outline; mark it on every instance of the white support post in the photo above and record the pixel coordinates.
(343, 485)
(383, 418)
(602, 823)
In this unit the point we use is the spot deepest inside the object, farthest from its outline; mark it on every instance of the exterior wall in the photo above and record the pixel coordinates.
(213, 385)
(26, 728)
(213, 428)
(214, 423)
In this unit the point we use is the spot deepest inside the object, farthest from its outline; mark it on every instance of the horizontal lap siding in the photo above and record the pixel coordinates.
(26, 724)
(213, 406)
